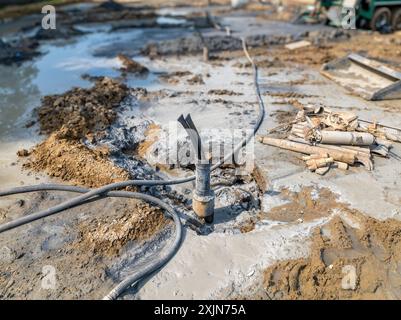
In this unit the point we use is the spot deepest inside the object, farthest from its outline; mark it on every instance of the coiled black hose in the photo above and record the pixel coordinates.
(89, 195)
(152, 265)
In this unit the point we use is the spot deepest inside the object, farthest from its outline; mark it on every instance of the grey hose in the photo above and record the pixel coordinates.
(95, 194)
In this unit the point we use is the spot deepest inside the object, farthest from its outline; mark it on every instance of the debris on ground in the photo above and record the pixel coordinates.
(333, 139)
(22, 153)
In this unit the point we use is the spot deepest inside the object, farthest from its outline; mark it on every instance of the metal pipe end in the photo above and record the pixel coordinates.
(203, 206)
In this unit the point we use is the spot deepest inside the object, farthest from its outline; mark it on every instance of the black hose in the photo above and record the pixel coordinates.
(105, 191)
(69, 203)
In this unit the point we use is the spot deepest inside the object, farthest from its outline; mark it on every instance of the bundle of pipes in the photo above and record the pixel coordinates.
(334, 139)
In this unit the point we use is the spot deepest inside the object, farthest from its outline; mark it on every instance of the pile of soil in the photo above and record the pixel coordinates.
(82, 111)
(290, 94)
(70, 117)
(71, 161)
(136, 221)
(345, 263)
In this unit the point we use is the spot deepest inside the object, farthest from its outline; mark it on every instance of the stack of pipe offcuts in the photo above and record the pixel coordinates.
(334, 139)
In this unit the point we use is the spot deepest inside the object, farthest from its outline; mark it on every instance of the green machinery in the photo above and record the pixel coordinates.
(374, 14)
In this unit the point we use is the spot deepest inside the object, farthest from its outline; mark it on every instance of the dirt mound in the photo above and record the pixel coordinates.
(135, 221)
(284, 116)
(361, 261)
(73, 162)
(82, 111)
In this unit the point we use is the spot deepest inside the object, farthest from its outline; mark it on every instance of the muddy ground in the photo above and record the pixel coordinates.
(351, 256)
(303, 231)
(346, 262)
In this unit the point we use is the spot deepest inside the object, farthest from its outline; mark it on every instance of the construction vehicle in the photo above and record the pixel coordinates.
(378, 15)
